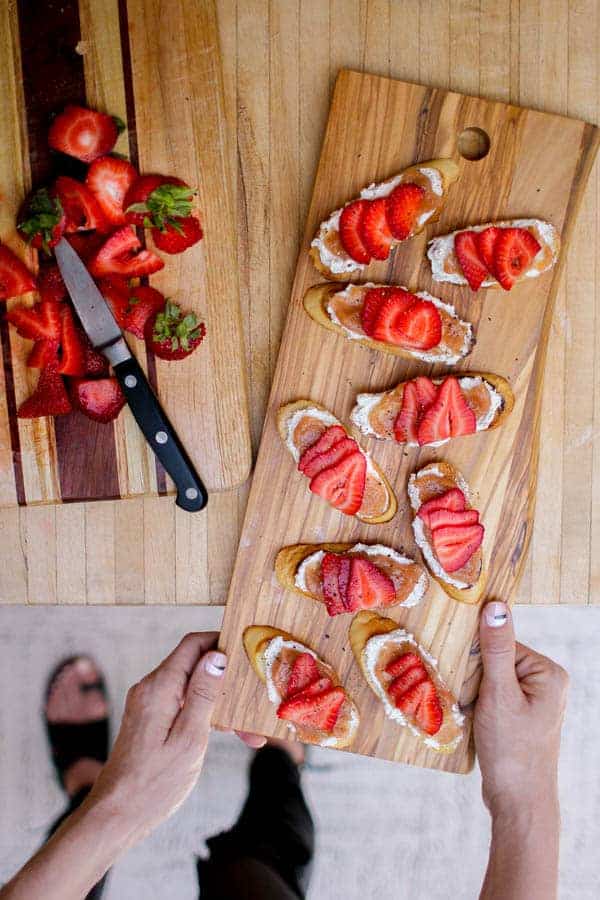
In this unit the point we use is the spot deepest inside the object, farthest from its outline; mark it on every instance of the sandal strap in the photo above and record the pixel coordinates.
(70, 741)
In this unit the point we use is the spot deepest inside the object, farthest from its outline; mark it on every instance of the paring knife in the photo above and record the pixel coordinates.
(106, 337)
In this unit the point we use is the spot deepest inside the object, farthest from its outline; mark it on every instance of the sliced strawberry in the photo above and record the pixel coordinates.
(179, 236)
(454, 545)
(317, 687)
(156, 201)
(38, 322)
(391, 311)
(81, 208)
(83, 133)
(429, 712)
(329, 437)
(426, 392)
(95, 363)
(486, 243)
(144, 303)
(171, 334)
(121, 255)
(343, 485)
(109, 178)
(51, 286)
(514, 251)
(335, 571)
(368, 587)
(115, 290)
(450, 416)
(72, 347)
(453, 499)
(42, 220)
(319, 712)
(440, 518)
(350, 232)
(374, 230)
(403, 663)
(304, 672)
(86, 244)
(15, 277)
(420, 326)
(411, 700)
(373, 300)
(407, 681)
(43, 353)
(330, 457)
(406, 424)
(49, 398)
(467, 253)
(100, 399)
(402, 209)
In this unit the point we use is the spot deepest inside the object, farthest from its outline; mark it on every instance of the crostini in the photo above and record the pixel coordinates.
(384, 214)
(497, 253)
(404, 676)
(427, 411)
(350, 577)
(340, 471)
(392, 319)
(448, 531)
(305, 690)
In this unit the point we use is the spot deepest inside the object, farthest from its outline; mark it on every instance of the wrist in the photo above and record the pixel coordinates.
(526, 810)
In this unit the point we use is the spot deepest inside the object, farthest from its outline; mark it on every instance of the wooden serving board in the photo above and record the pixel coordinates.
(158, 67)
(537, 165)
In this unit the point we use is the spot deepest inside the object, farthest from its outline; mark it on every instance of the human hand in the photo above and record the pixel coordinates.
(518, 718)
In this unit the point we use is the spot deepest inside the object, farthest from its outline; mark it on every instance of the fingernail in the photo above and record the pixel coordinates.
(215, 663)
(496, 614)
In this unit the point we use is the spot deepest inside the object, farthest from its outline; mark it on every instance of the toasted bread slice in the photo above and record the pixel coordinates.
(285, 417)
(435, 176)
(446, 477)
(257, 639)
(374, 414)
(372, 635)
(446, 267)
(317, 301)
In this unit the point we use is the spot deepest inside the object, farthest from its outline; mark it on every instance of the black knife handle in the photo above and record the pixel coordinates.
(160, 434)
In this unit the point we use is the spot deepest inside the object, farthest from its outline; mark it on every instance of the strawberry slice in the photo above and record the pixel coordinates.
(144, 302)
(115, 290)
(85, 243)
(450, 416)
(84, 133)
(330, 457)
(43, 353)
(343, 485)
(179, 236)
(38, 322)
(42, 221)
(320, 711)
(304, 672)
(100, 399)
(454, 545)
(439, 518)
(385, 327)
(72, 347)
(373, 300)
(368, 587)
(486, 242)
(81, 208)
(406, 424)
(420, 326)
(422, 703)
(15, 277)
(402, 663)
(402, 208)
(94, 362)
(350, 232)
(426, 392)
(335, 572)
(453, 499)
(50, 397)
(407, 681)
(331, 436)
(514, 251)
(121, 255)
(317, 687)
(51, 286)
(109, 178)
(374, 230)
(467, 253)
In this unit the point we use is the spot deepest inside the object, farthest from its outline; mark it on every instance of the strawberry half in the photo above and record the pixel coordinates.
(374, 230)
(109, 178)
(144, 302)
(449, 416)
(115, 290)
(373, 300)
(100, 399)
(335, 573)
(514, 251)
(304, 673)
(420, 326)
(467, 253)
(40, 322)
(42, 221)
(385, 327)
(84, 133)
(51, 286)
(454, 499)
(454, 545)
(343, 485)
(156, 201)
(179, 236)
(402, 209)
(331, 436)
(406, 423)
(81, 208)
(172, 335)
(350, 231)
(72, 347)
(486, 243)
(15, 277)
(50, 397)
(368, 587)
(320, 711)
(121, 255)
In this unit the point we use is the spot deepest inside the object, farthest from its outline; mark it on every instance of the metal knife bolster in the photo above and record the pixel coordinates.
(116, 352)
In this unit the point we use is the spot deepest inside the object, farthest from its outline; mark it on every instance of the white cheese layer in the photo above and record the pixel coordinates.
(293, 421)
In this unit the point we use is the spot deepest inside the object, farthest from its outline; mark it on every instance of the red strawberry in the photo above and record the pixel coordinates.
(486, 242)
(43, 353)
(330, 457)
(514, 251)
(407, 681)
(329, 437)
(454, 545)
(38, 322)
(402, 663)
(15, 277)
(350, 235)
(335, 572)
(49, 398)
(86, 244)
(406, 424)
(81, 208)
(453, 499)
(100, 399)
(450, 416)
(422, 703)
(51, 286)
(155, 201)
(320, 712)
(402, 208)
(121, 255)
(115, 290)
(95, 363)
(395, 304)
(317, 687)
(343, 485)
(373, 300)
(144, 302)
(440, 518)
(426, 392)
(178, 237)
(420, 326)
(467, 253)
(109, 178)
(72, 347)
(42, 221)
(374, 229)
(172, 335)
(368, 587)
(83, 133)
(304, 673)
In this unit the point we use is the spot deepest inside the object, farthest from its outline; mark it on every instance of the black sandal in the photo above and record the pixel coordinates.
(71, 741)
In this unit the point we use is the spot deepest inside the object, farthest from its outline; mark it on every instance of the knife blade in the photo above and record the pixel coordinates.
(106, 336)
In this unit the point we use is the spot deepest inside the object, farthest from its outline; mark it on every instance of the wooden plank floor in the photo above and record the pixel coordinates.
(280, 61)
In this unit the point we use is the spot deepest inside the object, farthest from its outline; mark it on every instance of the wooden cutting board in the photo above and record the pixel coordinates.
(537, 165)
(158, 67)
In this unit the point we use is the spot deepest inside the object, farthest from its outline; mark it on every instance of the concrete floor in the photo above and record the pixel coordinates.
(384, 830)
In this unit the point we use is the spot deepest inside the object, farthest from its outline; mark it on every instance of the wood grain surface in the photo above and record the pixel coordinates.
(280, 60)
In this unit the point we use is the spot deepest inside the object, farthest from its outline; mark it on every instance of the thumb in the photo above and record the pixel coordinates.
(497, 642)
(193, 720)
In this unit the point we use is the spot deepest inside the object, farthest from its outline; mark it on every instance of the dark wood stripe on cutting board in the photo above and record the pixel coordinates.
(53, 76)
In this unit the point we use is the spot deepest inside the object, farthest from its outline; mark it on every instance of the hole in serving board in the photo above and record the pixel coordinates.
(473, 143)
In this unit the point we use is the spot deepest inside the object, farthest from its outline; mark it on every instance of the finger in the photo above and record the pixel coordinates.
(497, 641)
(193, 722)
(182, 661)
(254, 741)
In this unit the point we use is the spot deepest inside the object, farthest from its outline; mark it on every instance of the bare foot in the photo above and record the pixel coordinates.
(294, 749)
(68, 703)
